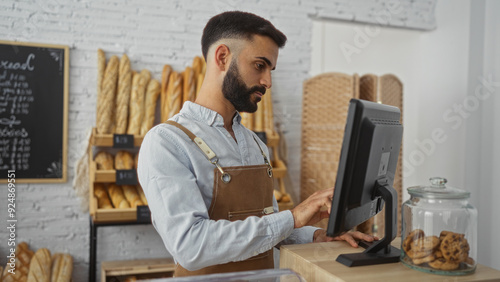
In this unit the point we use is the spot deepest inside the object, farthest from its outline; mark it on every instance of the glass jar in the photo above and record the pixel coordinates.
(439, 230)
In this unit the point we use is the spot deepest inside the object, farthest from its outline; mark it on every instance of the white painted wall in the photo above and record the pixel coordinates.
(433, 68)
(441, 71)
(483, 126)
(153, 33)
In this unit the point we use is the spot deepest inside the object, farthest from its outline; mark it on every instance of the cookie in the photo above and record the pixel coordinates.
(438, 254)
(443, 264)
(444, 233)
(415, 234)
(418, 254)
(425, 244)
(428, 258)
(470, 261)
(454, 247)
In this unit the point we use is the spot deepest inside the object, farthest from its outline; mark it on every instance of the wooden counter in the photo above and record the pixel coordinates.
(316, 262)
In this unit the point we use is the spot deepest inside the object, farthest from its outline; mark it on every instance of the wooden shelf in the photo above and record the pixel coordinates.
(106, 140)
(163, 266)
(279, 169)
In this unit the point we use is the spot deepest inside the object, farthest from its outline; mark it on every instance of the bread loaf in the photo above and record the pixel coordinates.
(104, 161)
(198, 68)
(107, 107)
(117, 196)
(136, 160)
(189, 85)
(141, 194)
(62, 268)
(268, 111)
(103, 201)
(132, 196)
(137, 97)
(124, 160)
(165, 75)
(101, 67)
(247, 120)
(174, 94)
(152, 93)
(258, 121)
(199, 82)
(123, 95)
(197, 65)
(22, 264)
(40, 266)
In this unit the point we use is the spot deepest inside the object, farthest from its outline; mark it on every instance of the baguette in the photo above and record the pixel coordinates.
(106, 108)
(140, 191)
(197, 65)
(104, 161)
(22, 264)
(103, 201)
(124, 160)
(247, 120)
(199, 82)
(137, 102)
(132, 196)
(101, 67)
(136, 160)
(164, 85)
(174, 94)
(40, 266)
(258, 118)
(117, 196)
(152, 93)
(123, 95)
(268, 111)
(189, 85)
(62, 267)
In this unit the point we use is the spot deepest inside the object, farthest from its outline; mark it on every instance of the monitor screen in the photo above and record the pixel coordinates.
(367, 166)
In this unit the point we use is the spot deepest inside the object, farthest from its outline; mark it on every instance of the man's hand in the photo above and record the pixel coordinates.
(309, 211)
(320, 236)
(351, 237)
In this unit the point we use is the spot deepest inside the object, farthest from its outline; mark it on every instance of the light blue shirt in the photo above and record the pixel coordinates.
(178, 182)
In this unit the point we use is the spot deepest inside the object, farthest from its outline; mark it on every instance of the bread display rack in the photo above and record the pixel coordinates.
(111, 215)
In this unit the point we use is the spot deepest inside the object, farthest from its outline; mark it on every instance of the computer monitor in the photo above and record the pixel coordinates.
(365, 176)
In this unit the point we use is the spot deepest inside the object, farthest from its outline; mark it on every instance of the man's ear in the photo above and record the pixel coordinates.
(222, 53)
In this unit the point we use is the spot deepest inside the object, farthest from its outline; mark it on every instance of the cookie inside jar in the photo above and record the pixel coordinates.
(439, 230)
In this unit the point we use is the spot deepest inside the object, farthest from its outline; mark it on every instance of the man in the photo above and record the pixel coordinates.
(207, 178)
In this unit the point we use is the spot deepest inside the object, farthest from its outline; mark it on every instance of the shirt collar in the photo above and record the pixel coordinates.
(206, 115)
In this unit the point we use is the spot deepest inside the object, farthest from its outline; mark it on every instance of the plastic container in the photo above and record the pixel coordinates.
(439, 230)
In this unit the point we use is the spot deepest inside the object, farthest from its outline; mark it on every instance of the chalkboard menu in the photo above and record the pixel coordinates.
(33, 111)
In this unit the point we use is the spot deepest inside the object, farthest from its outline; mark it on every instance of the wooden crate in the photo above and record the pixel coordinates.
(143, 268)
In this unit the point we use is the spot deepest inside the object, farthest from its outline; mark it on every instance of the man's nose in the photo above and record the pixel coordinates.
(266, 80)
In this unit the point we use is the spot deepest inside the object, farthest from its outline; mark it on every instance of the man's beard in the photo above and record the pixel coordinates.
(236, 91)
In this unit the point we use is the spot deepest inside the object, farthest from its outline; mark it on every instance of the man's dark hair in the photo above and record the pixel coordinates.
(236, 25)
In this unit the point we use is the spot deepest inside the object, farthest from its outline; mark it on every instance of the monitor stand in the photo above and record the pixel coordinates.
(379, 252)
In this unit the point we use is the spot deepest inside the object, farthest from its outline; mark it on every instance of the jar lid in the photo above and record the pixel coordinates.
(438, 190)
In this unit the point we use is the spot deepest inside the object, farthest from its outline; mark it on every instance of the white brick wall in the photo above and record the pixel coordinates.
(154, 33)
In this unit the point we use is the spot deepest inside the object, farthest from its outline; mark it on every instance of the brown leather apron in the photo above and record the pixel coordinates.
(239, 192)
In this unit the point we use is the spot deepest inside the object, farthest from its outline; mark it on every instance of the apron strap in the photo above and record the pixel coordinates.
(198, 141)
(211, 156)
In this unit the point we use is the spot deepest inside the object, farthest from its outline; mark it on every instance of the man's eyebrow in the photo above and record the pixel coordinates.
(268, 62)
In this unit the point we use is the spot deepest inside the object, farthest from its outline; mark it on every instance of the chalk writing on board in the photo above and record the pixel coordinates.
(33, 110)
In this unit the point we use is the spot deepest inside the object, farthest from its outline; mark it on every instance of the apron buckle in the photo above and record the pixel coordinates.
(225, 177)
